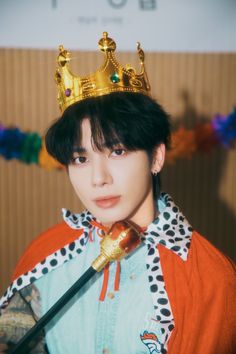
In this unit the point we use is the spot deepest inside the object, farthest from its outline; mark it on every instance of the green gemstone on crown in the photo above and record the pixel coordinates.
(114, 78)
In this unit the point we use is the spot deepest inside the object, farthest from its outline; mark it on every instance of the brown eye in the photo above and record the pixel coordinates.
(118, 152)
(79, 160)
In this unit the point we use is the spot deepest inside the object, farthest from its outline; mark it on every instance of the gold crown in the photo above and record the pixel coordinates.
(110, 77)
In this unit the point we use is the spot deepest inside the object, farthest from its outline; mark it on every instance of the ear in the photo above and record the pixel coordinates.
(158, 158)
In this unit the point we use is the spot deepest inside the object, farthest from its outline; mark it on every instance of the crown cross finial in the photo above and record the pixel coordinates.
(110, 77)
(63, 57)
(107, 44)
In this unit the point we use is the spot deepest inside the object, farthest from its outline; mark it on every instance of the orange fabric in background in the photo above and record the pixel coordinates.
(201, 290)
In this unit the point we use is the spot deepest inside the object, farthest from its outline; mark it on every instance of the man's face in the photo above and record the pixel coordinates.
(113, 184)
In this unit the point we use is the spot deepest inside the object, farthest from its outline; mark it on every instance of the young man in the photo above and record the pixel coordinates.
(175, 293)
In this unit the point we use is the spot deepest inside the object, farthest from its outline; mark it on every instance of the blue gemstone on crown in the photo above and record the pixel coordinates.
(114, 78)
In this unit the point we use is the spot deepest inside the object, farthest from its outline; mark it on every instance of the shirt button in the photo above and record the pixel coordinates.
(132, 276)
(105, 351)
(111, 295)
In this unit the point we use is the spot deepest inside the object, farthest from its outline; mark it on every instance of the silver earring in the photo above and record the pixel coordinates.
(154, 173)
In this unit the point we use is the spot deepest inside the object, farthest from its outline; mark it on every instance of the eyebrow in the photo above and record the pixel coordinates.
(80, 149)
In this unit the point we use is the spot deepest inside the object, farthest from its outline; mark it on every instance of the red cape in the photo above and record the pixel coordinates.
(201, 290)
(45, 244)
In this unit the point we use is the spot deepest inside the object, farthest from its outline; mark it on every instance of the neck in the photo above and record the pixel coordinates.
(146, 213)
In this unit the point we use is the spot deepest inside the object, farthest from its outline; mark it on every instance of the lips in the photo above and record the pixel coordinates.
(107, 202)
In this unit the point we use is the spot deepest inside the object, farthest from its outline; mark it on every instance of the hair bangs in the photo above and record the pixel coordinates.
(133, 120)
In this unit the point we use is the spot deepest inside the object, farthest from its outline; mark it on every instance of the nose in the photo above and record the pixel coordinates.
(100, 172)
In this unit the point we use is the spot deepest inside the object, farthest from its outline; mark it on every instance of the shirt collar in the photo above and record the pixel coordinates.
(170, 228)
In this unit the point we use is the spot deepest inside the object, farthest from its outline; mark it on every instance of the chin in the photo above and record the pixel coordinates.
(109, 221)
(108, 218)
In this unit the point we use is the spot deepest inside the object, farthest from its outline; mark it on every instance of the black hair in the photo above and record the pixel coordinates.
(135, 120)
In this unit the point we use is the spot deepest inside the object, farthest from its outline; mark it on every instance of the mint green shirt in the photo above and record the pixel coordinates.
(93, 326)
(96, 327)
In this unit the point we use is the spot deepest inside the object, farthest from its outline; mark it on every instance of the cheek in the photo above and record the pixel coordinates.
(78, 181)
(134, 175)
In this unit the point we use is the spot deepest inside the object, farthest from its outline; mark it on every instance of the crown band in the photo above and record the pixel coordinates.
(110, 77)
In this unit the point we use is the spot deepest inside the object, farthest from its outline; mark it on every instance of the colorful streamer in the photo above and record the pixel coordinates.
(30, 148)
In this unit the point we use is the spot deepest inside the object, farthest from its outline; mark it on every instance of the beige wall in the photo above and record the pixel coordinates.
(192, 87)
